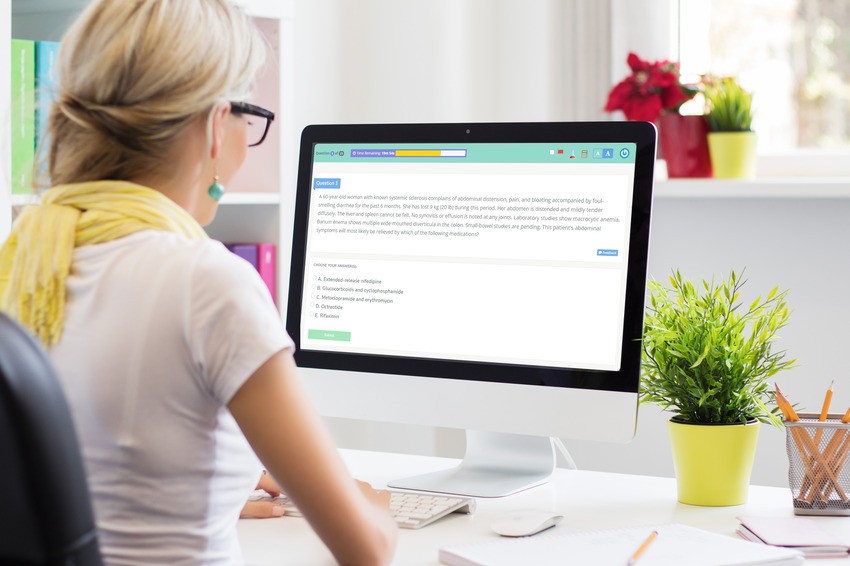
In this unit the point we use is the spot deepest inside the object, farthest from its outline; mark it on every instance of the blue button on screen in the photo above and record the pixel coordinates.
(326, 183)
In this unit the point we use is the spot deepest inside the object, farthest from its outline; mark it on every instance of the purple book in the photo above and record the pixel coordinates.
(248, 252)
(263, 257)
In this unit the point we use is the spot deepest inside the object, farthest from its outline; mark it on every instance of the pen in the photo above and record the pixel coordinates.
(642, 547)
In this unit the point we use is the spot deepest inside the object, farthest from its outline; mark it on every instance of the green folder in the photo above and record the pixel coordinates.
(23, 115)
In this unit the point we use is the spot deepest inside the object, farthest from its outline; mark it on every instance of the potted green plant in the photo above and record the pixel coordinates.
(731, 139)
(708, 357)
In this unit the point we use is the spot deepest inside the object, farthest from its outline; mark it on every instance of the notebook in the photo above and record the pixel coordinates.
(794, 532)
(675, 545)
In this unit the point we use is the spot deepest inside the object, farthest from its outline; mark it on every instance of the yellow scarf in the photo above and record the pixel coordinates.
(36, 258)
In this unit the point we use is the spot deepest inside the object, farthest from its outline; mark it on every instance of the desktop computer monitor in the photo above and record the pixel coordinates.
(489, 277)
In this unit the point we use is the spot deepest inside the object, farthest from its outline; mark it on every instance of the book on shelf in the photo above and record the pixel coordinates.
(801, 533)
(674, 545)
(263, 257)
(23, 114)
(267, 265)
(46, 81)
(248, 252)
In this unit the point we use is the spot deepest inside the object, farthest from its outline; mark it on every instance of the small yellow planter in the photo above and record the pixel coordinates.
(733, 154)
(713, 463)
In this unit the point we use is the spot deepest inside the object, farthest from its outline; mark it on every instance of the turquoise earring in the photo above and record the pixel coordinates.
(216, 190)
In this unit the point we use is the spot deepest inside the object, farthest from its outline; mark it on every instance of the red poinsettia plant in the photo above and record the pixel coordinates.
(651, 89)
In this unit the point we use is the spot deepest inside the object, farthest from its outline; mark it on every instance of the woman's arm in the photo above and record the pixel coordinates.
(290, 439)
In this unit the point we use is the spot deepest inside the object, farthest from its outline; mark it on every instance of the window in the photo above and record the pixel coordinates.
(793, 54)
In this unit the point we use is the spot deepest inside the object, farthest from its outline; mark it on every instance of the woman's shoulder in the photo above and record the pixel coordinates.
(204, 251)
(162, 251)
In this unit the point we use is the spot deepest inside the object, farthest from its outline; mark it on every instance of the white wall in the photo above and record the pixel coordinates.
(517, 60)
(450, 60)
(796, 243)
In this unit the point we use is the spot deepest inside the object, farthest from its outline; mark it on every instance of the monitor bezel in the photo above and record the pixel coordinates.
(626, 379)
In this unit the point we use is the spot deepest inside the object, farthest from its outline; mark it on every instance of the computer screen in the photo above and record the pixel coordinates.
(489, 277)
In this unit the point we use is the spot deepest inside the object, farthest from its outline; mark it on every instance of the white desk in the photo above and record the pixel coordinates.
(588, 500)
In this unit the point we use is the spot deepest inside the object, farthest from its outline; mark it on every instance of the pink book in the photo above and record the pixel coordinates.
(267, 266)
(794, 532)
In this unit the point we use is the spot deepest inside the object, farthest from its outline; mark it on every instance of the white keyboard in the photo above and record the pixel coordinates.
(410, 510)
(415, 510)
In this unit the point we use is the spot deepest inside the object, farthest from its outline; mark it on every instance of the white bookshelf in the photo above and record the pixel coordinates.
(5, 119)
(258, 205)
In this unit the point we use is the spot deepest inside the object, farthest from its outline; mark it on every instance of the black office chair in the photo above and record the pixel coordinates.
(45, 510)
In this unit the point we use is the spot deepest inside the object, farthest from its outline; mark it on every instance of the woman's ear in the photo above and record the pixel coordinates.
(220, 112)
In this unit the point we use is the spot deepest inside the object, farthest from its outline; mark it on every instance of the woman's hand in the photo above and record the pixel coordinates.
(263, 509)
(377, 497)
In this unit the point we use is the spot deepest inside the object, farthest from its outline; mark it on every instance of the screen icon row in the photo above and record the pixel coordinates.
(596, 153)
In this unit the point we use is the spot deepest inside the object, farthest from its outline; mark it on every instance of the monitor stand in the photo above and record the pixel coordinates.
(495, 465)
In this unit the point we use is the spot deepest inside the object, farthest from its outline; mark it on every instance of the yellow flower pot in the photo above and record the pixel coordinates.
(713, 462)
(733, 154)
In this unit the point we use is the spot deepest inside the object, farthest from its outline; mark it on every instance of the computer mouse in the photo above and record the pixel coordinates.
(524, 523)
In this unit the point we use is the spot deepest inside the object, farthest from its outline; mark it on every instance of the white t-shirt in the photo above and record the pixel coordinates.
(160, 332)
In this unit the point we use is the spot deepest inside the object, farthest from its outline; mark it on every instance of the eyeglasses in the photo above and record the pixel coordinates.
(259, 121)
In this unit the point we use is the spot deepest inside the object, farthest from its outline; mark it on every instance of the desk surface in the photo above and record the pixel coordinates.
(588, 501)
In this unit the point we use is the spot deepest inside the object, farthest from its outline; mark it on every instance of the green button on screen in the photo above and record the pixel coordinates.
(335, 335)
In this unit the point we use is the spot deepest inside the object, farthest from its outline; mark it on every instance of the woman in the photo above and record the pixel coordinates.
(170, 349)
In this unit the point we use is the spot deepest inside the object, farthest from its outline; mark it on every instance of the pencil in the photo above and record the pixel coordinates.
(835, 456)
(829, 458)
(817, 457)
(836, 463)
(809, 454)
(791, 416)
(798, 435)
(634, 558)
(818, 482)
(785, 406)
(824, 412)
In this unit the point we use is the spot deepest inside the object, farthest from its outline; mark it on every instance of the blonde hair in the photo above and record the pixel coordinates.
(133, 74)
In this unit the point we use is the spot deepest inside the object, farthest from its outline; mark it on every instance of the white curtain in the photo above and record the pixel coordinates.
(453, 60)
